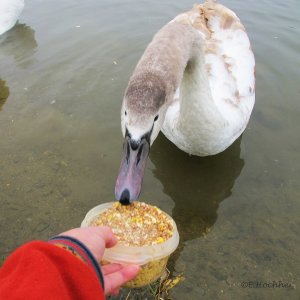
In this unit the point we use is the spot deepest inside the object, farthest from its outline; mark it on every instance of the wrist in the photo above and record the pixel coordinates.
(79, 250)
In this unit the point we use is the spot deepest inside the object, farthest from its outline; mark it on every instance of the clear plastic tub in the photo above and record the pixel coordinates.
(152, 259)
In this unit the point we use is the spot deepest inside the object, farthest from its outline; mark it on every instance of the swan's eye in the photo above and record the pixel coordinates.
(125, 113)
(155, 119)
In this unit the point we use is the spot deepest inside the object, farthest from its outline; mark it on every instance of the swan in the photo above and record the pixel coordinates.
(10, 11)
(195, 82)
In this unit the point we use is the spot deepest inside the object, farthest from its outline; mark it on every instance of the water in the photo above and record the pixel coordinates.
(63, 71)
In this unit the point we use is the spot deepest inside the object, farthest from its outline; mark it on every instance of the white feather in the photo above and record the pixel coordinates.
(10, 11)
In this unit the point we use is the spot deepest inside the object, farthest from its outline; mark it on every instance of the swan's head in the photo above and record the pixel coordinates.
(142, 115)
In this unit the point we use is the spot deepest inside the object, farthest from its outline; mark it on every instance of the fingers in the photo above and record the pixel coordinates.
(114, 280)
(111, 268)
(106, 234)
(115, 292)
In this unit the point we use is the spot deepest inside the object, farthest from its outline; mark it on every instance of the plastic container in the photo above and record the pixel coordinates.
(152, 259)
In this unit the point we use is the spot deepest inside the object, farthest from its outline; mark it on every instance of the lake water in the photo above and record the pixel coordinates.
(63, 71)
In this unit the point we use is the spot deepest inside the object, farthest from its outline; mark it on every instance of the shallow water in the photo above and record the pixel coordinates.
(63, 71)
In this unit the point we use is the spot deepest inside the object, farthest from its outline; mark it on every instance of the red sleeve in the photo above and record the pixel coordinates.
(39, 270)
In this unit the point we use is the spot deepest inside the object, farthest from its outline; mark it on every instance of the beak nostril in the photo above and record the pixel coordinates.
(138, 157)
(128, 153)
(124, 199)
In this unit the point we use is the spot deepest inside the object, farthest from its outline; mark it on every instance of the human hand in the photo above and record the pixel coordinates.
(97, 239)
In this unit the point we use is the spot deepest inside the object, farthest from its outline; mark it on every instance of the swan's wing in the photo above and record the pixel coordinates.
(229, 59)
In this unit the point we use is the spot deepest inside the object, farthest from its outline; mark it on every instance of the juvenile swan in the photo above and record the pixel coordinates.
(195, 82)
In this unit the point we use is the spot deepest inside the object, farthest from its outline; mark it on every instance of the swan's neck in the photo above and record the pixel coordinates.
(195, 124)
(175, 59)
(166, 57)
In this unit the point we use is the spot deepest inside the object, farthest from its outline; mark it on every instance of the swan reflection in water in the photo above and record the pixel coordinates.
(197, 185)
(4, 93)
(20, 43)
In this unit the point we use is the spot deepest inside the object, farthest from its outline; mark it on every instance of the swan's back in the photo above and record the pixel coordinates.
(10, 11)
(229, 60)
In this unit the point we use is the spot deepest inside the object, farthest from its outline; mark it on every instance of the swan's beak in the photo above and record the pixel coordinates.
(131, 173)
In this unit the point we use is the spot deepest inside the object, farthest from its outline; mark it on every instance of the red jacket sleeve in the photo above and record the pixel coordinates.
(39, 270)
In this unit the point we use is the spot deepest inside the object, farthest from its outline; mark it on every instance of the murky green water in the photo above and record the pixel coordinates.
(63, 71)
